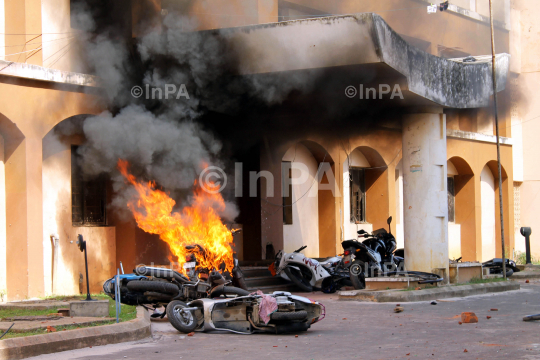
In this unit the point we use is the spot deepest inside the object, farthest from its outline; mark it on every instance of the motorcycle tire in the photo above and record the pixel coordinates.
(288, 316)
(509, 272)
(228, 290)
(358, 280)
(153, 286)
(185, 324)
(298, 280)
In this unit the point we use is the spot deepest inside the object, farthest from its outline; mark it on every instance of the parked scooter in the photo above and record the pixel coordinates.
(278, 313)
(372, 257)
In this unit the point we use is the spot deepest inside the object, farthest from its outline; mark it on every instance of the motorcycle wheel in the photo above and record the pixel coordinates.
(357, 272)
(296, 277)
(228, 290)
(184, 322)
(509, 272)
(153, 286)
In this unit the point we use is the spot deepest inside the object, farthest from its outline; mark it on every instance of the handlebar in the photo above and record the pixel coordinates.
(300, 249)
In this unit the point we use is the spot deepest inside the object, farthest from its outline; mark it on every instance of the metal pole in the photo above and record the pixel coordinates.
(497, 133)
(117, 295)
(88, 298)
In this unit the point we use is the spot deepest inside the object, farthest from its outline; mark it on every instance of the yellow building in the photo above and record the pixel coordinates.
(427, 157)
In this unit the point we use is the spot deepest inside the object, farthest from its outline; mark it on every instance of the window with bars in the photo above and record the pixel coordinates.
(451, 199)
(357, 188)
(88, 197)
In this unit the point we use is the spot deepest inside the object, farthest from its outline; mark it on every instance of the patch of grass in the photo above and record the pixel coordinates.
(476, 280)
(58, 328)
(521, 258)
(412, 288)
(4, 313)
(127, 313)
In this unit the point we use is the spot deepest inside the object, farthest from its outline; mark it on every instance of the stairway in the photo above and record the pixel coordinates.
(260, 278)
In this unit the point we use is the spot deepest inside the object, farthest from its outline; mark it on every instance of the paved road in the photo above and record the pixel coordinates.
(354, 330)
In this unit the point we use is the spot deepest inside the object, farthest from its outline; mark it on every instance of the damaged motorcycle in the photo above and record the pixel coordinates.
(277, 313)
(154, 287)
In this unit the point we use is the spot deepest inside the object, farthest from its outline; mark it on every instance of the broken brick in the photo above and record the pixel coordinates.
(468, 317)
(526, 281)
(51, 328)
(398, 309)
(418, 288)
(489, 317)
(465, 350)
(191, 334)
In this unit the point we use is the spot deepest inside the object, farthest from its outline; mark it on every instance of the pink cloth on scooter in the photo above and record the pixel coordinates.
(267, 307)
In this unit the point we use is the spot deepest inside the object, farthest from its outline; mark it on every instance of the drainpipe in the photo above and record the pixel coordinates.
(55, 240)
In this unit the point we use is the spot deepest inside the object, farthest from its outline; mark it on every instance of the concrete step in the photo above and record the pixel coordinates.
(256, 271)
(270, 289)
(265, 281)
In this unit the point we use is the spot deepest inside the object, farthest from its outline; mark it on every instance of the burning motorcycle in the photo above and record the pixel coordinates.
(156, 287)
(278, 313)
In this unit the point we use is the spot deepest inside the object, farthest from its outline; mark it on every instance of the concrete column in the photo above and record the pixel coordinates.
(24, 218)
(425, 208)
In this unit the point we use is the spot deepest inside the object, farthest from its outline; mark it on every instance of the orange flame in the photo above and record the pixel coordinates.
(196, 224)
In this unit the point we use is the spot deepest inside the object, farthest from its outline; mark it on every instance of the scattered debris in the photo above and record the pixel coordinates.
(433, 302)
(460, 323)
(468, 317)
(465, 350)
(489, 317)
(526, 281)
(531, 317)
(295, 336)
(418, 288)
(344, 319)
(398, 309)
(494, 310)
(191, 334)
(51, 329)
(398, 304)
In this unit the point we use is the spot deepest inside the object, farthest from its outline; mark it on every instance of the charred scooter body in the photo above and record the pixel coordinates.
(242, 315)
(304, 272)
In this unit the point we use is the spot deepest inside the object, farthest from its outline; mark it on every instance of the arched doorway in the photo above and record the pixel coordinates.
(309, 210)
(365, 192)
(73, 204)
(487, 194)
(461, 205)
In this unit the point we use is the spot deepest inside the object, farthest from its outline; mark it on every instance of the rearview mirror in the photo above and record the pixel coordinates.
(360, 232)
(389, 220)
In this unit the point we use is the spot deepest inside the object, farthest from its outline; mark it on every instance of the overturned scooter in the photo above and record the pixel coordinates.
(277, 313)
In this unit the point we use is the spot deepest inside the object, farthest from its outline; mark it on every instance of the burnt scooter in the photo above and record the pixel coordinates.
(154, 287)
(277, 313)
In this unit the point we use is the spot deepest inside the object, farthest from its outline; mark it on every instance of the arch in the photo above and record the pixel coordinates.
(507, 189)
(373, 190)
(62, 264)
(11, 138)
(309, 212)
(462, 230)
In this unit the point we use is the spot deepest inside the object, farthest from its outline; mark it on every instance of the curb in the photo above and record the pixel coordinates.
(23, 347)
(427, 294)
(524, 275)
